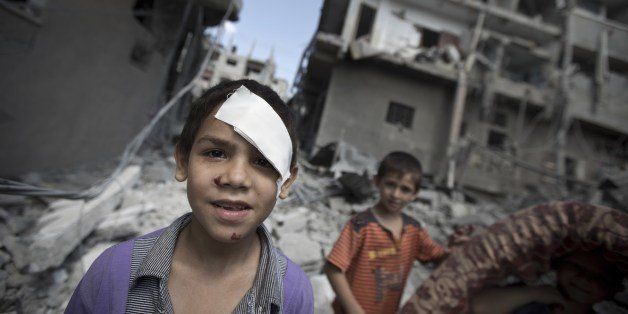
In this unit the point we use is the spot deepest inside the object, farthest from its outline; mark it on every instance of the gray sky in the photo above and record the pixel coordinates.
(287, 25)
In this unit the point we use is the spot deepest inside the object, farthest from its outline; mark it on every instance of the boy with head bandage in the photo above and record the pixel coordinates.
(237, 153)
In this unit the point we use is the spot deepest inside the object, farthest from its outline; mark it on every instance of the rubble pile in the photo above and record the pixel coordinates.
(47, 245)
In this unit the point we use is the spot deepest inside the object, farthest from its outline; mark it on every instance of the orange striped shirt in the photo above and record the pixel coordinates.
(376, 264)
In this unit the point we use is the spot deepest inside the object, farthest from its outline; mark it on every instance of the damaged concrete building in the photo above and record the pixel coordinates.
(228, 65)
(491, 95)
(79, 79)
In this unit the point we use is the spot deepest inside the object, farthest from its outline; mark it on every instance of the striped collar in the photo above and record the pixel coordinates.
(266, 292)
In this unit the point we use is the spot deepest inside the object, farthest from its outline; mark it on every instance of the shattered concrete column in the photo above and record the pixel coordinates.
(488, 95)
(459, 99)
(521, 117)
(601, 70)
(563, 94)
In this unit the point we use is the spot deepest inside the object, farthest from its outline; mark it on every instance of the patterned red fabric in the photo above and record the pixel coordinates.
(377, 264)
(523, 245)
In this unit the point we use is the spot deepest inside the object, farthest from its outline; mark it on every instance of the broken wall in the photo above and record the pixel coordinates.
(612, 112)
(483, 170)
(357, 107)
(586, 32)
(78, 87)
(398, 26)
(587, 149)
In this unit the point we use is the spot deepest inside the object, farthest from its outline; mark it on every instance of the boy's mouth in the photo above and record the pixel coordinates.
(232, 205)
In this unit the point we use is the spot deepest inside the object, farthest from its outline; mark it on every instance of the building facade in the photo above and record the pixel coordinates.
(227, 65)
(81, 78)
(491, 95)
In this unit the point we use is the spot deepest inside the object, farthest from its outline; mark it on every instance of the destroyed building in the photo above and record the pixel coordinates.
(84, 77)
(491, 95)
(228, 65)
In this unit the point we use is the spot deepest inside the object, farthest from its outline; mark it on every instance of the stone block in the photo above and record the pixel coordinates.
(7, 199)
(4, 258)
(125, 222)
(60, 276)
(294, 220)
(299, 248)
(59, 232)
(18, 248)
(323, 294)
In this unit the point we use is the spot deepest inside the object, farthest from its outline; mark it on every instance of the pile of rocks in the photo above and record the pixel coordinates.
(47, 245)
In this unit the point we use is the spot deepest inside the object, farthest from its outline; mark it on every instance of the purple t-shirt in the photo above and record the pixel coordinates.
(105, 286)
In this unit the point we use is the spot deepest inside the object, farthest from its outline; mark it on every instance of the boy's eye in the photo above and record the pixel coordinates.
(406, 190)
(263, 162)
(214, 153)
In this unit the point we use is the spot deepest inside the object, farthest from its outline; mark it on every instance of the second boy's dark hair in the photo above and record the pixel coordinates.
(217, 95)
(401, 163)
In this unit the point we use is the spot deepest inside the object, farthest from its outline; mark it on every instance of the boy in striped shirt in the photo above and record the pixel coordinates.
(370, 262)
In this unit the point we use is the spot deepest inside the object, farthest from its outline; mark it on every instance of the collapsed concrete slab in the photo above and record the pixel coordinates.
(300, 248)
(59, 232)
(323, 294)
(125, 222)
(294, 220)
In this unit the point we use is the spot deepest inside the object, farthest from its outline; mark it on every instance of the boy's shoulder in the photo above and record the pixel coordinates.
(113, 259)
(362, 220)
(408, 220)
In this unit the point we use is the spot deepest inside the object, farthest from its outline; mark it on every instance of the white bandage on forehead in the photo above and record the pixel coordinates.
(257, 122)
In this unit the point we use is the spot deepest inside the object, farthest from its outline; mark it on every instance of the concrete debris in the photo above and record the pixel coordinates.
(4, 258)
(613, 189)
(478, 219)
(294, 221)
(17, 224)
(17, 247)
(357, 187)
(60, 276)
(350, 159)
(59, 232)
(125, 222)
(6, 199)
(4, 215)
(324, 157)
(301, 249)
(161, 170)
(457, 210)
(324, 294)
(63, 244)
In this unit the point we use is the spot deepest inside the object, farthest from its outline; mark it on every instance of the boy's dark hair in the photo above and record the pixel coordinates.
(401, 163)
(217, 95)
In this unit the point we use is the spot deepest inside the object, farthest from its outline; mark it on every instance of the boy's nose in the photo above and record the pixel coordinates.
(235, 175)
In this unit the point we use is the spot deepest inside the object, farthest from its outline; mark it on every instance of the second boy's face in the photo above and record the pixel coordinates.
(231, 186)
(396, 191)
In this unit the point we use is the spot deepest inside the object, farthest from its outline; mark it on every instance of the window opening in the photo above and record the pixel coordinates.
(400, 114)
(365, 20)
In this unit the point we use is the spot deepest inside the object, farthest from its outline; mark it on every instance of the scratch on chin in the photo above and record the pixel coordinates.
(235, 236)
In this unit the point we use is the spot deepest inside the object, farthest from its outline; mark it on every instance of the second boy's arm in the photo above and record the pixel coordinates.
(340, 284)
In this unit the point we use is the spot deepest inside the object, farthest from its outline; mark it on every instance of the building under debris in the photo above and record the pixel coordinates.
(79, 79)
(492, 95)
(227, 65)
